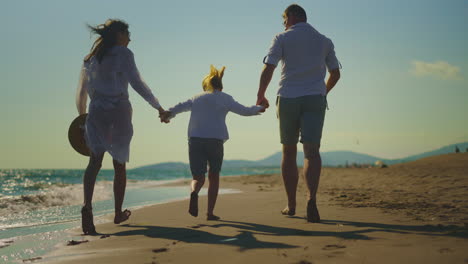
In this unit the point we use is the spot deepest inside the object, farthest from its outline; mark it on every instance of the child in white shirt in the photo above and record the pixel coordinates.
(207, 132)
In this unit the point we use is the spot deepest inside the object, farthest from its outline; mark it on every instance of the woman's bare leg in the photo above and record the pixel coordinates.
(89, 178)
(120, 183)
(212, 191)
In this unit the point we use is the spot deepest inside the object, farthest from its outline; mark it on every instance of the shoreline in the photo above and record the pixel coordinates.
(21, 246)
(252, 230)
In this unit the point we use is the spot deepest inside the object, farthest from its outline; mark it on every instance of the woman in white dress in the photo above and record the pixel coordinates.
(107, 70)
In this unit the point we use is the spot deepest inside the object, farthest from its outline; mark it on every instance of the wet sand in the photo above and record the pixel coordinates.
(408, 213)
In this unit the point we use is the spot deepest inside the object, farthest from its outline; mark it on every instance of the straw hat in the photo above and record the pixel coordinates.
(76, 135)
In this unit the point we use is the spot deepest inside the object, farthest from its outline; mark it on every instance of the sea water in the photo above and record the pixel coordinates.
(37, 207)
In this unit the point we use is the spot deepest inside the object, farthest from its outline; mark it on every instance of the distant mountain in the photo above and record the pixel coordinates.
(443, 150)
(330, 158)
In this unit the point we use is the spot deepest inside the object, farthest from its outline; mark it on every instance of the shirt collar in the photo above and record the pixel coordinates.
(300, 24)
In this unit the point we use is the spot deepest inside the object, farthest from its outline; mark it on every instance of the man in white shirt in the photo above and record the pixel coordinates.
(306, 55)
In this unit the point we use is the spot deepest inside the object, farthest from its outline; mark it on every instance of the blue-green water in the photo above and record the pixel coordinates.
(37, 207)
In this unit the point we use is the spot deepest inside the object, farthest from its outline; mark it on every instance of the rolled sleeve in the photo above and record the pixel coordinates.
(275, 54)
(330, 59)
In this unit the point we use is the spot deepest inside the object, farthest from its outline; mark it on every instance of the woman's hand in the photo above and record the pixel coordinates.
(164, 115)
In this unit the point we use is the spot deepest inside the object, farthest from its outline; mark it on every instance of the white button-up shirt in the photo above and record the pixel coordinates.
(209, 110)
(306, 54)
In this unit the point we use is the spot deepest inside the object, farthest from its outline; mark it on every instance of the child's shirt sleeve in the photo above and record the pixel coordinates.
(242, 110)
(181, 107)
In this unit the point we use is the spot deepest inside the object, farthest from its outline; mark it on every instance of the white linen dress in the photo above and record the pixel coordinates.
(109, 122)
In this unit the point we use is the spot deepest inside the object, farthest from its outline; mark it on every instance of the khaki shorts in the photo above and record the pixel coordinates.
(302, 116)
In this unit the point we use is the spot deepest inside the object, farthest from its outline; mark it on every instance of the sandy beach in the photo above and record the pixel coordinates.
(415, 212)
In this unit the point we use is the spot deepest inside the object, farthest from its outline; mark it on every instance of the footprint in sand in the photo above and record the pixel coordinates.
(333, 247)
(160, 250)
(76, 242)
(445, 250)
(6, 243)
(31, 260)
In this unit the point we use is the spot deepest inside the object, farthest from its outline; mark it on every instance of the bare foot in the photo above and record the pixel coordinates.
(122, 216)
(193, 206)
(312, 212)
(287, 211)
(210, 217)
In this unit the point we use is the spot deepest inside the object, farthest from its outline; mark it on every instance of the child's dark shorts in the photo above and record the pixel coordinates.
(203, 152)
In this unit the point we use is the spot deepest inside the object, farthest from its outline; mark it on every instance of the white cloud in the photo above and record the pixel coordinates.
(438, 69)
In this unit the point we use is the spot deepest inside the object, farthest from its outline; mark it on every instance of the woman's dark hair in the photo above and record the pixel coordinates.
(107, 37)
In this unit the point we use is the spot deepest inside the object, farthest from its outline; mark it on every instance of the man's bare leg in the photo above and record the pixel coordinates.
(213, 189)
(312, 168)
(197, 184)
(120, 184)
(290, 176)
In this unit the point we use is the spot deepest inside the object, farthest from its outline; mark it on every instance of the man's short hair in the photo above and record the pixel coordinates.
(296, 11)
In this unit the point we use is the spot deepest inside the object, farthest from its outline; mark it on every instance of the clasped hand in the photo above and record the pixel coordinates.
(164, 116)
(262, 101)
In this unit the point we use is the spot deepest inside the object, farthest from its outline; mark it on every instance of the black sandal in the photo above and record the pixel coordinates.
(87, 223)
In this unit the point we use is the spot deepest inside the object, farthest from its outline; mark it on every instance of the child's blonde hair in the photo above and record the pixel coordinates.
(213, 80)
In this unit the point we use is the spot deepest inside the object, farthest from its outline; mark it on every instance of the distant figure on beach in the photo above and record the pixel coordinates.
(207, 132)
(301, 99)
(457, 150)
(105, 75)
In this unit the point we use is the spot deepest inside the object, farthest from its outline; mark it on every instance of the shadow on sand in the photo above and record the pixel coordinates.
(430, 230)
(245, 238)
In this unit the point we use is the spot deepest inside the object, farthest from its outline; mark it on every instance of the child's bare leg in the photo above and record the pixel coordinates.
(197, 184)
(212, 191)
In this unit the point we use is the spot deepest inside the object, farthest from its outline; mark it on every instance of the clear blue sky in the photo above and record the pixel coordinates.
(403, 88)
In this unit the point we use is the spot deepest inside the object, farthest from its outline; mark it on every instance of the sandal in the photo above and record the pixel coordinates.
(122, 216)
(87, 221)
(193, 206)
(312, 212)
(287, 211)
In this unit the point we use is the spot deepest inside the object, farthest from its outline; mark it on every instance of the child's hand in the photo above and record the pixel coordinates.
(164, 116)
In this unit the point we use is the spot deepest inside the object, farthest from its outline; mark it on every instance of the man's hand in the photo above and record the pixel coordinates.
(262, 101)
(265, 78)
